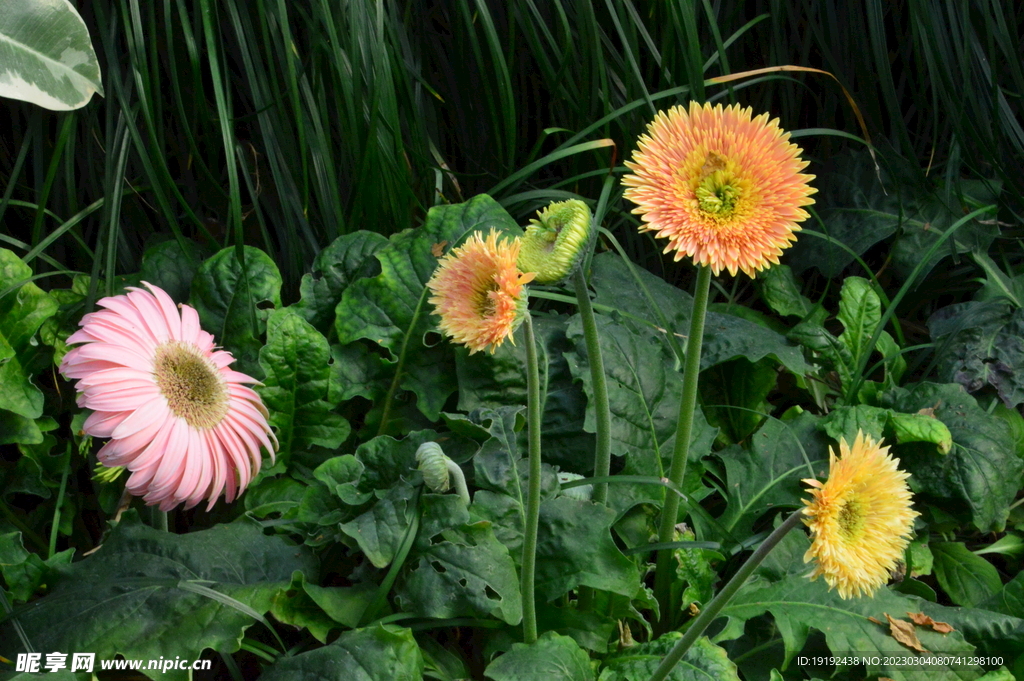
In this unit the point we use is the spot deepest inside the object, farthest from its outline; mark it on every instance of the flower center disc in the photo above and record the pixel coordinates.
(717, 193)
(851, 519)
(193, 386)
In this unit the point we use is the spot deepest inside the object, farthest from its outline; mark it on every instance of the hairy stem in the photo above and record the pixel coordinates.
(711, 610)
(533, 494)
(681, 452)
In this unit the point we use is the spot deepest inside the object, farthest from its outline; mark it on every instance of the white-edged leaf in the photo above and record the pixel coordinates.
(46, 55)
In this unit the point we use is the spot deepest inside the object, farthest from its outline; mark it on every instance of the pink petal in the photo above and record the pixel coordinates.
(170, 311)
(190, 328)
(155, 409)
(102, 423)
(151, 313)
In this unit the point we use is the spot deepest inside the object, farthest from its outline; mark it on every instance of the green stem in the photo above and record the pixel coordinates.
(603, 450)
(533, 495)
(60, 502)
(711, 610)
(681, 452)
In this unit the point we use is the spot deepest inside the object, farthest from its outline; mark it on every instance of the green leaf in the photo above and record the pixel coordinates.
(391, 309)
(343, 604)
(981, 470)
(16, 429)
(704, 661)
(295, 361)
(378, 653)
(380, 531)
(347, 259)
(295, 608)
(734, 395)
(24, 309)
(23, 570)
(921, 428)
(575, 548)
(860, 311)
(643, 397)
(356, 371)
(799, 606)
(17, 394)
(47, 55)
(765, 472)
(172, 267)
(966, 578)
(779, 288)
(979, 344)
(489, 380)
(230, 300)
(162, 594)
(459, 569)
(553, 656)
(845, 422)
(725, 336)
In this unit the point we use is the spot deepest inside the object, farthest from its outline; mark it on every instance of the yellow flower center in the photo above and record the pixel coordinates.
(851, 518)
(718, 193)
(192, 384)
(484, 300)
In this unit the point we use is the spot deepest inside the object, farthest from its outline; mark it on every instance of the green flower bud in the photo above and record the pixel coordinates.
(439, 471)
(555, 243)
(432, 463)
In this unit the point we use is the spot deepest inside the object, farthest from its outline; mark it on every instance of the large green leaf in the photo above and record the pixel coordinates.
(966, 578)
(489, 380)
(347, 259)
(725, 336)
(459, 569)
(172, 267)
(734, 395)
(230, 299)
(295, 361)
(643, 397)
(575, 548)
(47, 55)
(980, 344)
(147, 593)
(23, 570)
(378, 653)
(553, 656)
(704, 661)
(391, 309)
(799, 606)
(765, 472)
(981, 471)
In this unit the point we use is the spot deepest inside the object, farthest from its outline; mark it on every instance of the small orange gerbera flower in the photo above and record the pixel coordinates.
(722, 187)
(479, 293)
(860, 518)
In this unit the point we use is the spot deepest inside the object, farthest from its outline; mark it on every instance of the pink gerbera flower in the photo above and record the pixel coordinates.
(179, 419)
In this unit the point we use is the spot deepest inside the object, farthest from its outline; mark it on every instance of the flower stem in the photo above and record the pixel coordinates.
(603, 450)
(533, 495)
(711, 610)
(681, 452)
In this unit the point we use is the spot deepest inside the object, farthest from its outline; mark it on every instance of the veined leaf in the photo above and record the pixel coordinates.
(135, 596)
(553, 656)
(47, 55)
(378, 653)
(704, 660)
(391, 309)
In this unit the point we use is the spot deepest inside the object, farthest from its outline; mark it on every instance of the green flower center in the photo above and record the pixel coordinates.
(717, 193)
(851, 519)
(192, 384)
(484, 301)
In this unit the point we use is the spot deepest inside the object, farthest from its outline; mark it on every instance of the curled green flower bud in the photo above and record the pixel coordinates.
(439, 471)
(582, 492)
(555, 243)
(107, 475)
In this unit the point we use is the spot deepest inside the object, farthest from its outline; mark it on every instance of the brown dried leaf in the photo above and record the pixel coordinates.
(872, 619)
(921, 619)
(904, 632)
(437, 250)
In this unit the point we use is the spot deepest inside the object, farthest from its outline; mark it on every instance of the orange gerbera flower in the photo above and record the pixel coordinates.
(479, 292)
(723, 188)
(860, 518)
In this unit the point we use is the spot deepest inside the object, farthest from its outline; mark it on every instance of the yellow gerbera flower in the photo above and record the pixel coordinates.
(479, 292)
(860, 518)
(723, 188)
